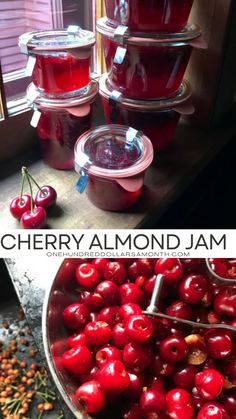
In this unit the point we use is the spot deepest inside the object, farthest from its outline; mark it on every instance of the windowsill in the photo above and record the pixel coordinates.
(169, 176)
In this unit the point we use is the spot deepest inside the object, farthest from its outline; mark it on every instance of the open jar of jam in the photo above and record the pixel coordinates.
(147, 66)
(60, 123)
(149, 15)
(112, 160)
(158, 119)
(59, 60)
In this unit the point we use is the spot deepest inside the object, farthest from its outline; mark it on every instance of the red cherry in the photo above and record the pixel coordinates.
(161, 367)
(77, 360)
(76, 316)
(179, 404)
(93, 301)
(129, 309)
(113, 377)
(229, 402)
(107, 353)
(137, 357)
(100, 264)
(209, 383)
(119, 337)
(145, 267)
(115, 271)
(179, 309)
(45, 197)
(218, 343)
(139, 328)
(135, 387)
(109, 292)
(91, 397)
(225, 302)
(173, 348)
(76, 340)
(152, 400)
(109, 315)
(35, 219)
(229, 367)
(87, 275)
(171, 269)
(130, 293)
(212, 411)
(156, 382)
(97, 333)
(184, 376)
(20, 205)
(90, 375)
(193, 288)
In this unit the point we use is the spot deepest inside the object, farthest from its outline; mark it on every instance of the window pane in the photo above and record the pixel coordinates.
(19, 16)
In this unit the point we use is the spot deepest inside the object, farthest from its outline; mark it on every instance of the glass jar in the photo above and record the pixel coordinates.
(112, 160)
(157, 119)
(147, 66)
(149, 15)
(60, 123)
(59, 60)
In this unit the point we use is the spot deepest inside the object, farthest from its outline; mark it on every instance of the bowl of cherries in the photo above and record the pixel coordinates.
(111, 356)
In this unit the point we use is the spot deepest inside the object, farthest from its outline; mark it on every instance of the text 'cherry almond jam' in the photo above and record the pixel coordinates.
(149, 15)
(147, 66)
(60, 60)
(61, 123)
(113, 158)
(158, 119)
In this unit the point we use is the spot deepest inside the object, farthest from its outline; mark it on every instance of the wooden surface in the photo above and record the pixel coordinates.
(170, 174)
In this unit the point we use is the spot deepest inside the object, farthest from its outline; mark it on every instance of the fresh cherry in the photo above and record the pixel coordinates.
(209, 383)
(184, 376)
(173, 349)
(212, 411)
(193, 288)
(107, 353)
(130, 293)
(139, 328)
(76, 340)
(19, 205)
(152, 400)
(218, 343)
(137, 357)
(97, 333)
(179, 404)
(45, 197)
(115, 271)
(171, 269)
(87, 275)
(76, 316)
(109, 292)
(113, 377)
(34, 219)
(77, 360)
(91, 397)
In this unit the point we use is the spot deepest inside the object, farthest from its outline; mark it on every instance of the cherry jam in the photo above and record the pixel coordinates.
(146, 72)
(160, 126)
(149, 15)
(60, 74)
(58, 131)
(117, 158)
(109, 195)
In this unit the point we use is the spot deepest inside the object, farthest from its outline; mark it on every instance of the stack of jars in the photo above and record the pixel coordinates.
(61, 92)
(147, 47)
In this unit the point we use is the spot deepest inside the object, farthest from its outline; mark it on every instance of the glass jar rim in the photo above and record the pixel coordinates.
(87, 95)
(188, 34)
(184, 93)
(137, 167)
(56, 40)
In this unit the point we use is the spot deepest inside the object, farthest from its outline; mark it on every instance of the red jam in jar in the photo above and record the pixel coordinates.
(61, 60)
(156, 119)
(143, 66)
(113, 158)
(60, 124)
(149, 15)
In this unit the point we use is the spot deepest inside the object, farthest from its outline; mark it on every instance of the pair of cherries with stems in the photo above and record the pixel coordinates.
(31, 212)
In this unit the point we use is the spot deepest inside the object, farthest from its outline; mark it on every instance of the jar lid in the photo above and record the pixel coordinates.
(113, 151)
(56, 40)
(86, 95)
(183, 94)
(121, 35)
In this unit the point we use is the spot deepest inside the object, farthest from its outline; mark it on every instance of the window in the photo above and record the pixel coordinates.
(19, 16)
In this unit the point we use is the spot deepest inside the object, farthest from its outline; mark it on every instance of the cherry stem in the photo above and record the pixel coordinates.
(22, 186)
(31, 177)
(31, 192)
